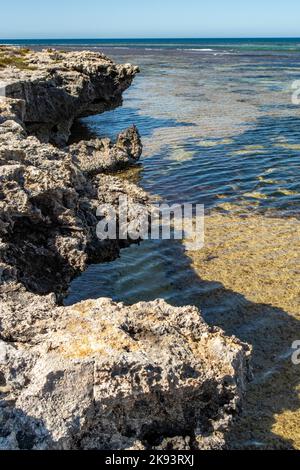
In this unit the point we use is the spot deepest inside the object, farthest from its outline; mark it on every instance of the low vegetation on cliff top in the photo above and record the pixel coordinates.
(14, 58)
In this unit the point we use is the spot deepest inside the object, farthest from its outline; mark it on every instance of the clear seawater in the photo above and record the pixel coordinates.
(219, 128)
(238, 44)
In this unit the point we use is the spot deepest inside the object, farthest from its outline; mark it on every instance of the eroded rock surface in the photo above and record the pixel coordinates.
(101, 155)
(100, 375)
(49, 198)
(62, 86)
(97, 375)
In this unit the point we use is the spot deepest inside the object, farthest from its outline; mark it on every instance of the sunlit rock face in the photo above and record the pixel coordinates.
(100, 375)
(102, 155)
(96, 375)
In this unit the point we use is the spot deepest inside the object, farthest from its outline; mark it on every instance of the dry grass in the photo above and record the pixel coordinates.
(14, 58)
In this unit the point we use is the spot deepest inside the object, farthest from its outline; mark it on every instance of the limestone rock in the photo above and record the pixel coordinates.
(106, 376)
(98, 155)
(63, 86)
(97, 375)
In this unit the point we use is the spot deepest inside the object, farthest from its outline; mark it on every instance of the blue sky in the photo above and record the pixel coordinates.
(149, 18)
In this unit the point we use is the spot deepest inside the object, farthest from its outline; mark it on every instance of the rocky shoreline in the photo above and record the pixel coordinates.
(97, 375)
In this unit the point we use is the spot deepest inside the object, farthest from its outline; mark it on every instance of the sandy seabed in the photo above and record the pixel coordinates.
(256, 261)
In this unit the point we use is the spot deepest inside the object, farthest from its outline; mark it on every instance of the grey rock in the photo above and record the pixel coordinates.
(49, 198)
(101, 155)
(105, 376)
(63, 86)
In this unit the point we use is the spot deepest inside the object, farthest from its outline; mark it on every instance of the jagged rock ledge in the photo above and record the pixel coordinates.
(97, 375)
(49, 195)
(62, 86)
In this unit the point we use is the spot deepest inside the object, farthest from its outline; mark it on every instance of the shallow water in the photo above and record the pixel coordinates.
(219, 129)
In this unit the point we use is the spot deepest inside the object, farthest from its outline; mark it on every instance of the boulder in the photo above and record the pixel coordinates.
(100, 375)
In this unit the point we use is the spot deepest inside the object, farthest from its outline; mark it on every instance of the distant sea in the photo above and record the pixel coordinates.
(237, 44)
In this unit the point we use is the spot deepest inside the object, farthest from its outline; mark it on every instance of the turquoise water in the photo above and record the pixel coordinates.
(245, 44)
(219, 128)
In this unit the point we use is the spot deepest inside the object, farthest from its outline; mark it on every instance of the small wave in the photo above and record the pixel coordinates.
(195, 50)
(154, 49)
(225, 53)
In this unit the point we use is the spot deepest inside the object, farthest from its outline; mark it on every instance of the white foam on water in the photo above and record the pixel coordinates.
(195, 50)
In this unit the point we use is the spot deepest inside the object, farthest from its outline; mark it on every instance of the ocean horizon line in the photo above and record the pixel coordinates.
(147, 38)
